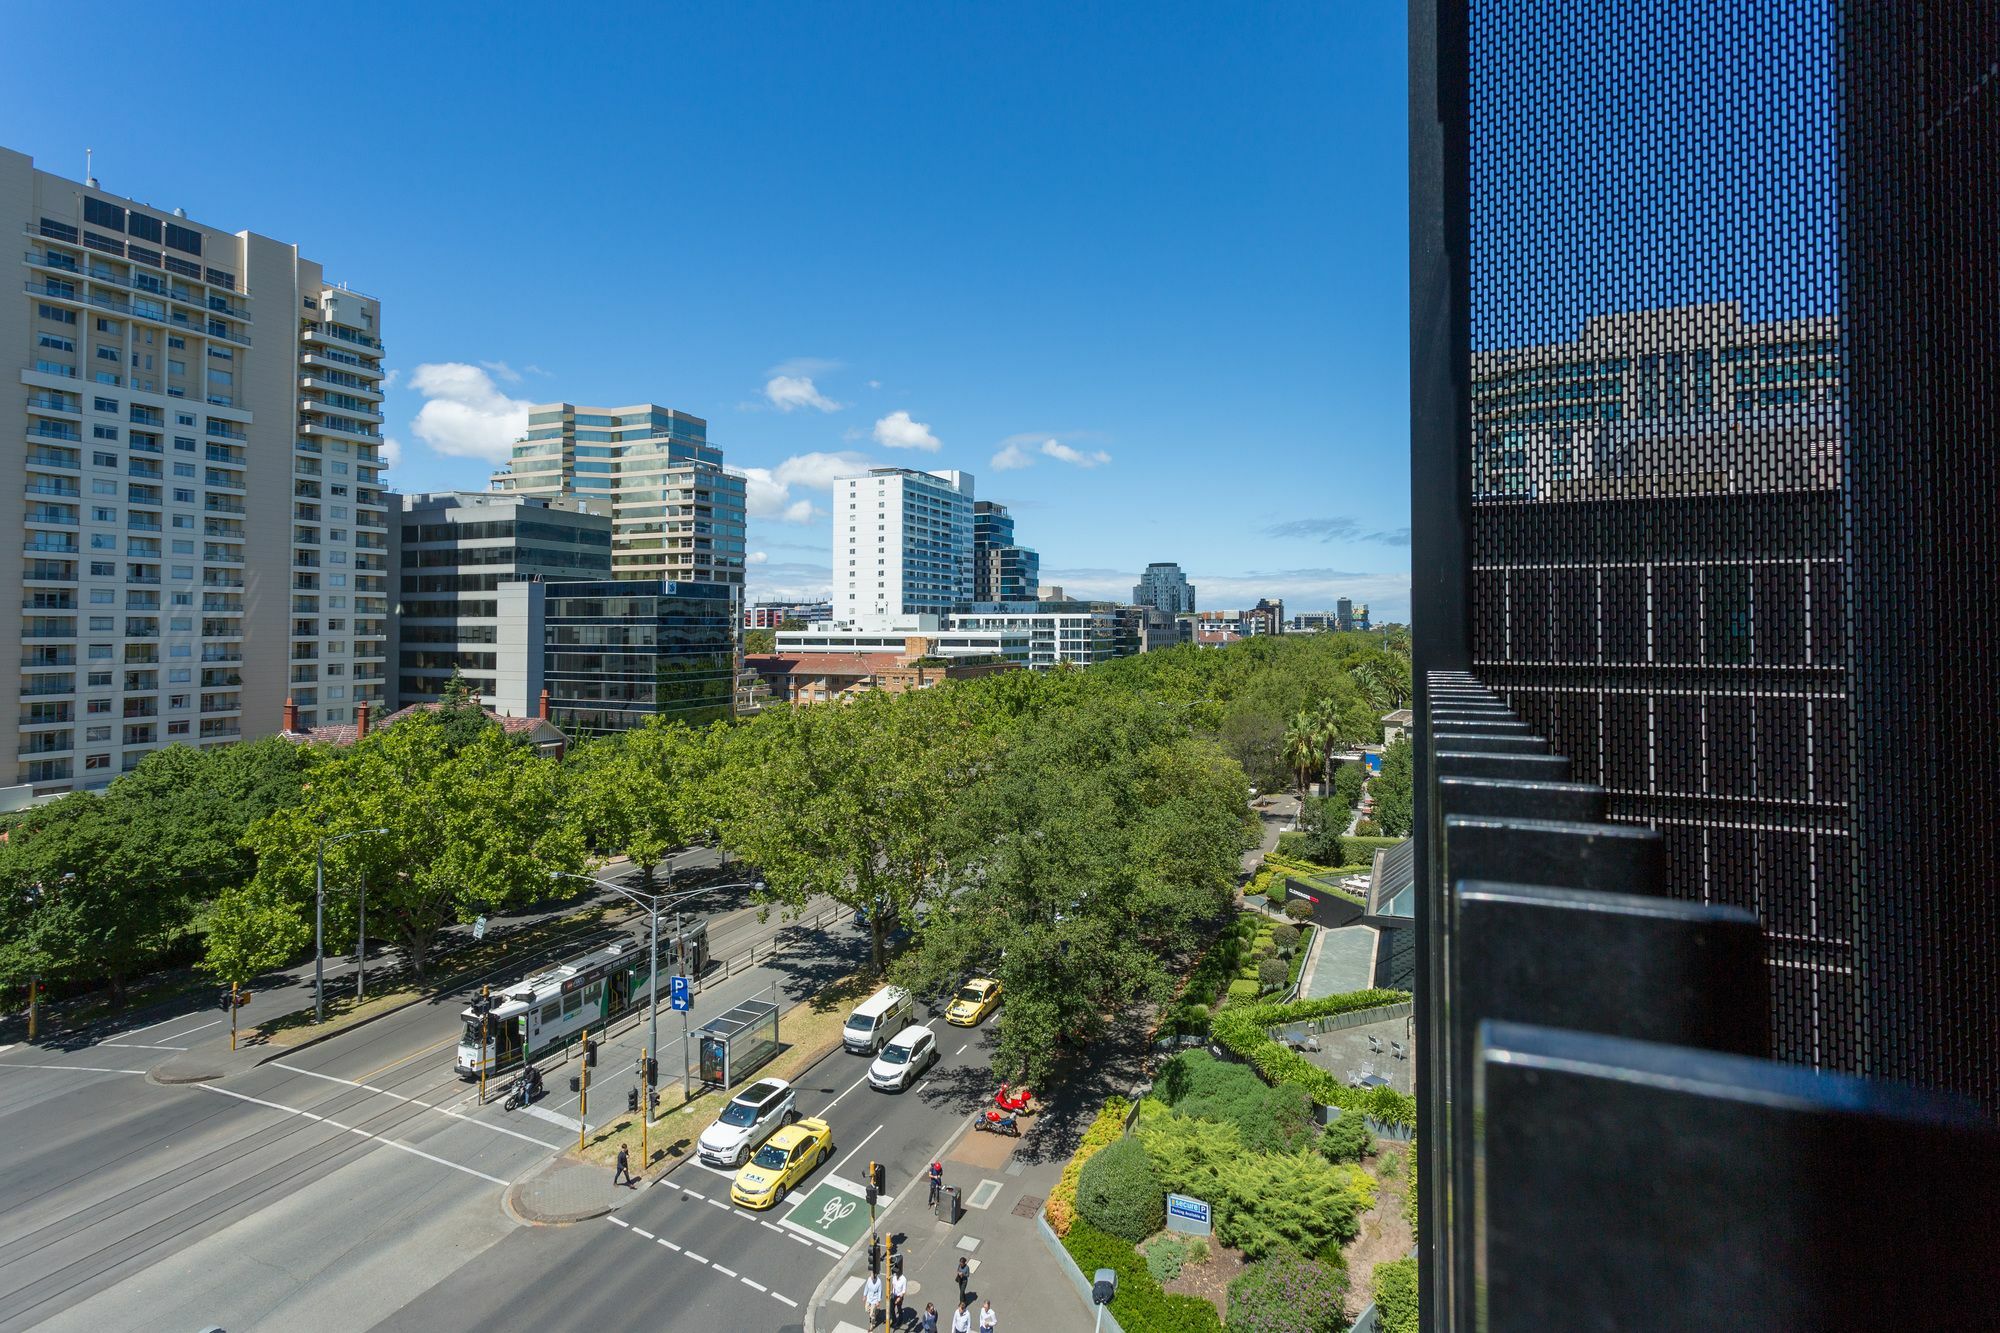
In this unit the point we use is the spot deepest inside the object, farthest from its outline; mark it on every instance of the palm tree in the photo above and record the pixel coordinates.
(1303, 748)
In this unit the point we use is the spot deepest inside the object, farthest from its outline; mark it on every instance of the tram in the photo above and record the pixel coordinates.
(554, 1006)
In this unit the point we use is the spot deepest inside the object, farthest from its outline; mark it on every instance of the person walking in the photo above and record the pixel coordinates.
(937, 1183)
(964, 1276)
(623, 1174)
(871, 1296)
(899, 1287)
(928, 1324)
(961, 1322)
(988, 1321)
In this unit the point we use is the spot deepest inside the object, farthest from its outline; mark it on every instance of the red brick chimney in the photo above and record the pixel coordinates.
(361, 720)
(544, 713)
(291, 716)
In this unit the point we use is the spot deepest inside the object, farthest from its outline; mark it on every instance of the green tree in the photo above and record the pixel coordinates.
(1303, 752)
(471, 828)
(1393, 789)
(760, 641)
(639, 794)
(189, 810)
(1256, 740)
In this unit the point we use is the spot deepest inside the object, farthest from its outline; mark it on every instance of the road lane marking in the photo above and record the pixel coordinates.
(786, 1299)
(748, 1283)
(696, 1257)
(727, 1272)
(960, 1051)
(386, 1142)
(849, 1185)
(669, 1244)
(836, 1101)
(553, 1117)
(641, 1231)
(83, 1069)
(717, 1203)
(139, 1046)
(177, 1018)
(428, 1106)
(617, 1222)
(184, 1032)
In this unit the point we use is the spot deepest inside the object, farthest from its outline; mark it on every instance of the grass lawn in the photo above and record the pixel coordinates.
(808, 1031)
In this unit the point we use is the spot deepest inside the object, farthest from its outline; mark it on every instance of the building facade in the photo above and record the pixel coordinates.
(902, 544)
(770, 615)
(1002, 569)
(825, 677)
(618, 653)
(1007, 644)
(1164, 588)
(676, 513)
(1076, 633)
(457, 550)
(196, 481)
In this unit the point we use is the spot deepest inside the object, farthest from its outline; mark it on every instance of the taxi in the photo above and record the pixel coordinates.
(975, 1000)
(786, 1158)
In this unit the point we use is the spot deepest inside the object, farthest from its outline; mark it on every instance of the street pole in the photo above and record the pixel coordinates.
(319, 929)
(232, 1015)
(686, 1092)
(34, 1004)
(645, 1115)
(361, 947)
(583, 1106)
(653, 982)
(484, 992)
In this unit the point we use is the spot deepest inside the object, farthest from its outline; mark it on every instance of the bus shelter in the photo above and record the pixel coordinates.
(738, 1042)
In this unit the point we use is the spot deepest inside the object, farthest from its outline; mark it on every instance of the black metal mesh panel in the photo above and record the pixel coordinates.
(1733, 373)
(1656, 451)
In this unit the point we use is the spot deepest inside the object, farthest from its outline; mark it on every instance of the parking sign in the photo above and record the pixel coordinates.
(678, 994)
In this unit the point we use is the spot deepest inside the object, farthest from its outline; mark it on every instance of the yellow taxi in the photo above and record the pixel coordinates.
(786, 1158)
(975, 999)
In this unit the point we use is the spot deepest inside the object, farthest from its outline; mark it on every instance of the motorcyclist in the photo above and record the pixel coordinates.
(531, 1084)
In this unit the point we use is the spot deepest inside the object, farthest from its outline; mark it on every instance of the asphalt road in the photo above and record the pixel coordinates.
(329, 1189)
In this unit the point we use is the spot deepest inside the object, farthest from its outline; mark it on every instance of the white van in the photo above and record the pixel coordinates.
(876, 1019)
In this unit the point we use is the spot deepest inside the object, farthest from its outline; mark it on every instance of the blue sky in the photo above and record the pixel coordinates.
(1152, 256)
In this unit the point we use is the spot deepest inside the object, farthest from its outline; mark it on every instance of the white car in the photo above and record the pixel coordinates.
(908, 1054)
(752, 1116)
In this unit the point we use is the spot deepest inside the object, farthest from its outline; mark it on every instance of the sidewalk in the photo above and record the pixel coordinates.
(1004, 1183)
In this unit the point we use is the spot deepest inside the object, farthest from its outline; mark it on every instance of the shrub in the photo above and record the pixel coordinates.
(1367, 828)
(1298, 909)
(1240, 989)
(1288, 1294)
(1167, 1255)
(1264, 1202)
(1271, 974)
(1293, 844)
(1243, 1031)
(1267, 1119)
(1347, 1139)
(1360, 851)
(1395, 1287)
(1103, 1131)
(1142, 1306)
(1285, 937)
(1117, 1191)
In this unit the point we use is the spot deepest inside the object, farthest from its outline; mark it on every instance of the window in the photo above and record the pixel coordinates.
(180, 650)
(184, 239)
(100, 214)
(181, 345)
(103, 514)
(102, 624)
(179, 676)
(182, 599)
(99, 458)
(56, 313)
(177, 728)
(55, 342)
(98, 760)
(183, 548)
(109, 326)
(103, 596)
(177, 701)
(183, 496)
(144, 227)
(184, 521)
(106, 377)
(183, 571)
(103, 569)
(220, 377)
(107, 354)
(178, 369)
(104, 433)
(99, 486)
(103, 541)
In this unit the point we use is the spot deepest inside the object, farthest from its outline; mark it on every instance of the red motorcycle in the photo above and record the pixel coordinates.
(1016, 1103)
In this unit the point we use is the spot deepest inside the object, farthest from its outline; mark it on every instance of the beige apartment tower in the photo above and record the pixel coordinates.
(195, 485)
(676, 514)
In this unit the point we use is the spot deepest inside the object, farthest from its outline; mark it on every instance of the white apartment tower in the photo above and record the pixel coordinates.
(195, 481)
(902, 544)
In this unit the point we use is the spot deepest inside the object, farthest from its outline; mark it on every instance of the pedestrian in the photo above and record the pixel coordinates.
(899, 1287)
(964, 1276)
(937, 1182)
(988, 1321)
(961, 1322)
(928, 1324)
(623, 1175)
(871, 1296)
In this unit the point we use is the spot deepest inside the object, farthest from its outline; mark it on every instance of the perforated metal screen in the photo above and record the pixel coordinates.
(1685, 225)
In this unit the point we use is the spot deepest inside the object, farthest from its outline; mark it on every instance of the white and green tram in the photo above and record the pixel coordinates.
(558, 1005)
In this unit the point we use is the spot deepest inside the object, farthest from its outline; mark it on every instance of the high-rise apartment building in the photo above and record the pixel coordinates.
(771, 615)
(1002, 570)
(902, 544)
(1164, 588)
(1343, 612)
(676, 513)
(618, 654)
(196, 482)
(457, 550)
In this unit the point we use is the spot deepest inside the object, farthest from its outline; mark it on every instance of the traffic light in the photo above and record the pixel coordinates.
(895, 1259)
(653, 1101)
(873, 1189)
(874, 1258)
(632, 1100)
(652, 1072)
(228, 1002)
(590, 1052)
(878, 1177)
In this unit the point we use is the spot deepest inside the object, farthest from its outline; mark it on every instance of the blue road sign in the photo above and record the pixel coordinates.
(678, 993)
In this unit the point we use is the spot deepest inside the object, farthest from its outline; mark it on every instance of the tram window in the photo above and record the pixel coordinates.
(551, 1011)
(593, 992)
(572, 1005)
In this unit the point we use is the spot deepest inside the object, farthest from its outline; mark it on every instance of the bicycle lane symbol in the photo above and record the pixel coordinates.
(830, 1213)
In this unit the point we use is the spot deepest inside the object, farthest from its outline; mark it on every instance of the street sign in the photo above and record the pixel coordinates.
(1187, 1214)
(678, 995)
(479, 929)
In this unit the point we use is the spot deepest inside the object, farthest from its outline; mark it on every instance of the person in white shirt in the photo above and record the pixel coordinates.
(961, 1322)
(899, 1286)
(988, 1321)
(871, 1296)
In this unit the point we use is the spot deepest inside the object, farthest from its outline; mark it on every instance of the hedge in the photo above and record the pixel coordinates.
(1362, 850)
(1117, 1191)
(1395, 1286)
(1103, 1132)
(1243, 1031)
(1141, 1307)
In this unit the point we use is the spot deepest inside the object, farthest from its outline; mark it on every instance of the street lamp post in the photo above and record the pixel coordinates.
(319, 920)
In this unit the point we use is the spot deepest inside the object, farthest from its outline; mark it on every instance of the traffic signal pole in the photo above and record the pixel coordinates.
(232, 1015)
(645, 1115)
(485, 1003)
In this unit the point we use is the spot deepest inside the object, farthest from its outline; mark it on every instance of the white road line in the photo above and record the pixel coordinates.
(847, 1185)
(8, 1047)
(390, 1143)
(428, 1106)
(177, 1018)
(758, 1285)
(199, 1027)
(669, 1244)
(726, 1272)
(553, 1117)
(786, 1299)
(139, 1046)
(641, 1231)
(717, 1203)
(696, 1257)
(692, 1194)
(836, 1101)
(961, 1050)
(618, 1222)
(772, 1225)
(82, 1069)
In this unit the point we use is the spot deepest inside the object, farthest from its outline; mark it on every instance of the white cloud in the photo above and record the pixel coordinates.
(755, 558)
(392, 450)
(874, 384)
(464, 413)
(1011, 457)
(768, 491)
(897, 431)
(788, 393)
(503, 371)
(1056, 449)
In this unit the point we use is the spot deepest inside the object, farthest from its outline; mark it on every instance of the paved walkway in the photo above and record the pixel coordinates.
(1342, 960)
